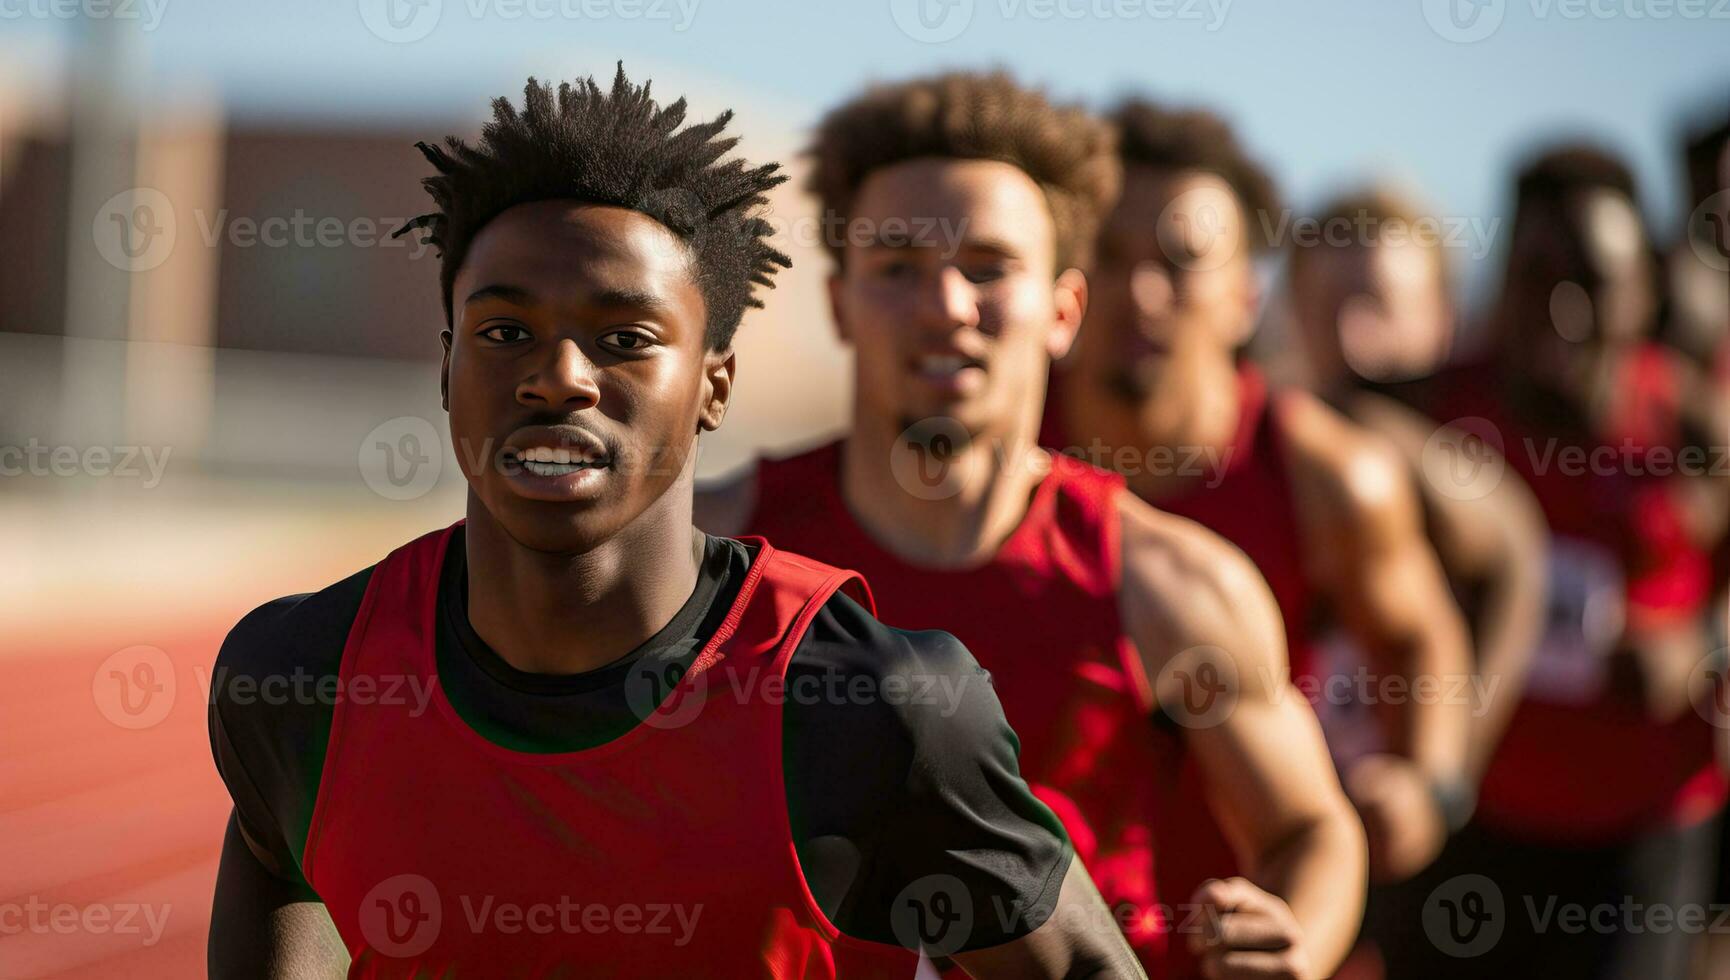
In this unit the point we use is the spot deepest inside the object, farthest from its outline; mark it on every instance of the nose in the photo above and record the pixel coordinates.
(1152, 289)
(948, 302)
(566, 380)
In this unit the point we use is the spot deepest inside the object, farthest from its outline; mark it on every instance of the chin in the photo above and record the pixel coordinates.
(557, 528)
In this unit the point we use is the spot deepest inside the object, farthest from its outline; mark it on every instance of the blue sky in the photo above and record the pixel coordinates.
(1324, 93)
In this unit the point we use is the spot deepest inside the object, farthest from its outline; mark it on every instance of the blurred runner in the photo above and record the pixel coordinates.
(1325, 509)
(968, 206)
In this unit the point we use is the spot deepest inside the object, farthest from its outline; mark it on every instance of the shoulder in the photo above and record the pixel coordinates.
(1349, 476)
(845, 637)
(911, 683)
(294, 636)
(1185, 586)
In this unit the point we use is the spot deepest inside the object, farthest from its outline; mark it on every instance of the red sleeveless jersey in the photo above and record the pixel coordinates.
(1042, 617)
(665, 852)
(1244, 496)
(1618, 555)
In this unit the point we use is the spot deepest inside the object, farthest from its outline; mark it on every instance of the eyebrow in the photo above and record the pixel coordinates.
(613, 298)
(992, 246)
(510, 294)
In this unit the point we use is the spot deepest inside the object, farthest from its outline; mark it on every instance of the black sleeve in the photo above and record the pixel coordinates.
(271, 705)
(902, 776)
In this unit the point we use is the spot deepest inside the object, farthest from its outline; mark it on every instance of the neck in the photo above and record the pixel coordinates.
(993, 477)
(565, 613)
(1190, 412)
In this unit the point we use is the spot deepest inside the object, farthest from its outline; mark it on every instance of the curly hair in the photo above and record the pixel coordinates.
(1171, 139)
(972, 116)
(615, 148)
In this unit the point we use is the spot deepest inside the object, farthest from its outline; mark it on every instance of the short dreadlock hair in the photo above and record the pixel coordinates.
(614, 148)
(972, 116)
(1172, 139)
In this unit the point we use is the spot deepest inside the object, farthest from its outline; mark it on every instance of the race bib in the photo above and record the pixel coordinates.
(1582, 623)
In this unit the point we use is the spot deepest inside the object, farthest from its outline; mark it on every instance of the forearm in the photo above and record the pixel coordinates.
(1510, 624)
(1432, 723)
(1319, 869)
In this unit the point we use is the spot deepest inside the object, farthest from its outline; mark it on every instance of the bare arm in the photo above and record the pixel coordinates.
(1196, 607)
(1080, 939)
(263, 926)
(1364, 529)
(1493, 538)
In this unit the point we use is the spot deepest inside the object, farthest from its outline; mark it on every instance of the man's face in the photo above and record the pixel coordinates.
(951, 307)
(1379, 311)
(575, 372)
(1581, 277)
(1173, 274)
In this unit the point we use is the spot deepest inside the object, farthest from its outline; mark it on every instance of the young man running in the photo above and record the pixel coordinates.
(574, 735)
(1373, 318)
(968, 204)
(1605, 783)
(1154, 387)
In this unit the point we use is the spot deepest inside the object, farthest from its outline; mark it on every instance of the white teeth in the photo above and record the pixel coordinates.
(539, 468)
(547, 454)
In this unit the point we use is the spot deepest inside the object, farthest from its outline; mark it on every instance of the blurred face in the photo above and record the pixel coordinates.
(951, 306)
(575, 373)
(1173, 275)
(1379, 311)
(1580, 277)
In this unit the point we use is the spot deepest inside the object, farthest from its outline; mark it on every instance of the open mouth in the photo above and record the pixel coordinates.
(556, 461)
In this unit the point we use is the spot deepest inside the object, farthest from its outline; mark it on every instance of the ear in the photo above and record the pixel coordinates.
(835, 317)
(718, 367)
(1069, 297)
(445, 371)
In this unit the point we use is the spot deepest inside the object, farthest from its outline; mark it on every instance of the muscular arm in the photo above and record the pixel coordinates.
(1491, 543)
(1191, 600)
(1364, 530)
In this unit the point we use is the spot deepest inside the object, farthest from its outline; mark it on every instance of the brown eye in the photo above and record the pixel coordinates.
(631, 340)
(504, 333)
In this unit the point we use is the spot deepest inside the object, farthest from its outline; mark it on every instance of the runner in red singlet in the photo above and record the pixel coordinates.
(1326, 511)
(572, 735)
(967, 204)
(1369, 316)
(1604, 787)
